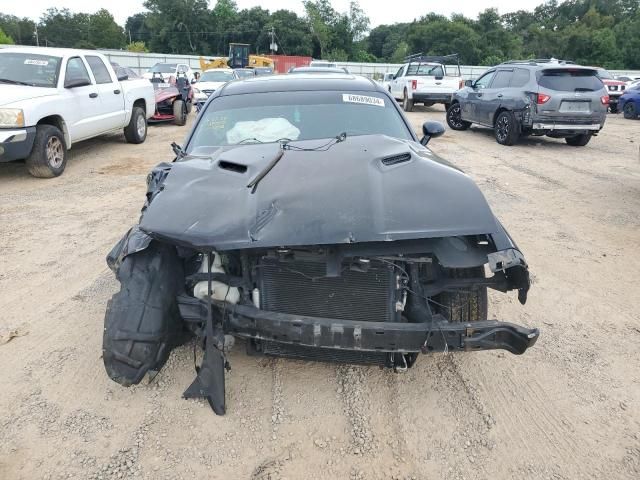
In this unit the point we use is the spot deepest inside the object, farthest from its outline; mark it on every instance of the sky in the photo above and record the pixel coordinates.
(378, 11)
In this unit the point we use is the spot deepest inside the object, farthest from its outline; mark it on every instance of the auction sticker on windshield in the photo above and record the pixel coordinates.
(350, 98)
(30, 61)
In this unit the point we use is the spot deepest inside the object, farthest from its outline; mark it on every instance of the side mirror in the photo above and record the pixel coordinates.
(76, 82)
(431, 130)
(394, 77)
(193, 80)
(468, 83)
(122, 77)
(440, 77)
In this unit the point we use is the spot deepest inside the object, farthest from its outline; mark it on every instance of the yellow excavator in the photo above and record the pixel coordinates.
(239, 57)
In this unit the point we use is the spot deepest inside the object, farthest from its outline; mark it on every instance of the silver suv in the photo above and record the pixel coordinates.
(537, 97)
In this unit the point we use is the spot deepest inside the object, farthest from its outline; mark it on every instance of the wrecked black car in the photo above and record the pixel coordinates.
(304, 216)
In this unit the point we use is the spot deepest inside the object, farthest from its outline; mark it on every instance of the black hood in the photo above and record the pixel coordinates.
(365, 189)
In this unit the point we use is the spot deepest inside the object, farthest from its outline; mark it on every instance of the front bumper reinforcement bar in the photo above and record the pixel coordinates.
(436, 336)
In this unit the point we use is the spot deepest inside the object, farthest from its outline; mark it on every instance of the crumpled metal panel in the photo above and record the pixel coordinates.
(339, 196)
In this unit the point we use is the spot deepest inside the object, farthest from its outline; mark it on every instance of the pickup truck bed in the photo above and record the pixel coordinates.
(51, 98)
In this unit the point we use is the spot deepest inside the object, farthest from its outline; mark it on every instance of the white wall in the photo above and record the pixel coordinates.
(140, 62)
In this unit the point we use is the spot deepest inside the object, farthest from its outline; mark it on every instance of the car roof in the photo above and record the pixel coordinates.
(301, 82)
(317, 69)
(543, 65)
(54, 52)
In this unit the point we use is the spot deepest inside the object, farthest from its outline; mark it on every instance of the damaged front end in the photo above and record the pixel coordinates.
(381, 283)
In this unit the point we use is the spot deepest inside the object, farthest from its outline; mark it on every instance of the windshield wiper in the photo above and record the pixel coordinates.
(285, 144)
(16, 82)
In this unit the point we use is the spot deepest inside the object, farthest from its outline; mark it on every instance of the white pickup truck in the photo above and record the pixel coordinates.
(426, 80)
(51, 98)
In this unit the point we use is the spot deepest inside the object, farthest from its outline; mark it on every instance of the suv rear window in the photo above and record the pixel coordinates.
(566, 80)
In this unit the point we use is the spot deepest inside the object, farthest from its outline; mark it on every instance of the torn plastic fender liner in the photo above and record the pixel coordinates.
(135, 240)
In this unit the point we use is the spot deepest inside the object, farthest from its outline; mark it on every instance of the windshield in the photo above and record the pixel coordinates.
(164, 68)
(29, 69)
(302, 115)
(217, 76)
(245, 73)
(425, 70)
(605, 74)
(567, 80)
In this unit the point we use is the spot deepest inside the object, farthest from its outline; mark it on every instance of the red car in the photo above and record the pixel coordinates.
(174, 99)
(615, 88)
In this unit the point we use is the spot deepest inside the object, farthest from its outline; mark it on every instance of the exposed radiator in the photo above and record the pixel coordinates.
(301, 288)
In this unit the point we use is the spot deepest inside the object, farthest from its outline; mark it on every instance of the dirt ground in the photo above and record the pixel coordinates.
(567, 409)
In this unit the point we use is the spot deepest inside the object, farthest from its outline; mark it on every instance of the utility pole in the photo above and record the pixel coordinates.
(273, 46)
(36, 34)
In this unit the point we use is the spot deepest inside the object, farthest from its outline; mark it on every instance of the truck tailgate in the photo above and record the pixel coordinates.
(433, 85)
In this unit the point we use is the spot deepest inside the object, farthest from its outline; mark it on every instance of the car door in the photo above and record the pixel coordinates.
(80, 100)
(110, 113)
(494, 95)
(397, 83)
(471, 111)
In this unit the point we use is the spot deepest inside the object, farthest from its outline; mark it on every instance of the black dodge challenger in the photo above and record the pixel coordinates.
(304, 216)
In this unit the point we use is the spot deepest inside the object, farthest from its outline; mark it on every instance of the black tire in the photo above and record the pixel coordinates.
(466, 305)
(189, 106)
(407, 103)
(48, 156)
(629, 111)
(134, 132)
(578, 140)
(454, 118)
(142, 322)
(613, 108)
(179, 112)
(506, 128)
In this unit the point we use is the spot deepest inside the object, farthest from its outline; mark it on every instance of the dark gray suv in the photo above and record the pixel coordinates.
(537, 97)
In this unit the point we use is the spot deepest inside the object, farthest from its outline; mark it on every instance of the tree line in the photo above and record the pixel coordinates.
(593, 32)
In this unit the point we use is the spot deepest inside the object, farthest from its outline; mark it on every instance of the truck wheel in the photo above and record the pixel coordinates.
(179, 112)
(578, 140)
(506, 129)
(454, 118)
(136, 131)
(613, 108)
(48, 156)
(142, 323)
(407, 103)
(464, 305)
(630, 111)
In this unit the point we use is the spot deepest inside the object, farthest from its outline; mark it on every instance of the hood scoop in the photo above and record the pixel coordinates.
(396, 159)
(232, 166)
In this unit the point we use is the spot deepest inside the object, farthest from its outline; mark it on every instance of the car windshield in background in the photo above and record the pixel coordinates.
(425, 70)
(604, 74)
(568, 80)
(164, 68)
(29, 69)
(219, 76)
(269, 117)
(245, 73)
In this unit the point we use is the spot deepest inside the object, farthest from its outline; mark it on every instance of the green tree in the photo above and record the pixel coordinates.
(293, 35)
(21, 30)
(136, 29)
(138, 47)
(104, 32)
(178, 26)
(5, 39)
